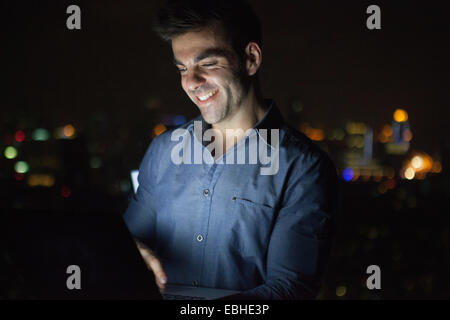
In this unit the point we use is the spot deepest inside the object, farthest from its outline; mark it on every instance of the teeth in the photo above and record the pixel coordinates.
(203, 98)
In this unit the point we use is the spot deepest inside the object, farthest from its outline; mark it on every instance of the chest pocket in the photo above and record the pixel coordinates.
(251, 226)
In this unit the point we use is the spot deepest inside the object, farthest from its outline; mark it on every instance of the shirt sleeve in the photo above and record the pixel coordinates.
(301, 239)
(140, 215)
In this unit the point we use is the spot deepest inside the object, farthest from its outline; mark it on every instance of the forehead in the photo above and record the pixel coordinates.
(187, 46)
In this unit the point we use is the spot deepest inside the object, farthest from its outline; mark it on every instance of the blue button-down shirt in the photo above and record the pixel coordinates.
(230, 226)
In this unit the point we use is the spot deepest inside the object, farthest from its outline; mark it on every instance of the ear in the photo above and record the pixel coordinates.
(253, 57)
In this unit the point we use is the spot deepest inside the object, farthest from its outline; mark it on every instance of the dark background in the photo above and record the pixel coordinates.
(114, 81)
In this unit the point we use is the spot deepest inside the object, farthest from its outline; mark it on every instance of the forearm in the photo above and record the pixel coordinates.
(278, 290)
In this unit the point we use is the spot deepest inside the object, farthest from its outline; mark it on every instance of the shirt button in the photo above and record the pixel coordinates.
(199, 238)
(206, 192)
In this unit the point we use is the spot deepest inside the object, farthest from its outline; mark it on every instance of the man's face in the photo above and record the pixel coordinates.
(209, 72)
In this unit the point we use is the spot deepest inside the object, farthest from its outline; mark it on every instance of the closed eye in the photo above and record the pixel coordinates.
(209, 64)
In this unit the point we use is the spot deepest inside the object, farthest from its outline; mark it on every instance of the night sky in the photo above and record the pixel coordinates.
(320, 53)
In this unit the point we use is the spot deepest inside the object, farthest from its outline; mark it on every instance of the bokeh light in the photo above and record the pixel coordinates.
(400, 115)
(65, 191)
(407, 135)
(43, 180)
(95, 162)
(10, 152)
(19, 176)
(437, 167)
(179, 120)
(159, 128)
(390, 172)
(341, 291)
(19, 136)
(21, 167)
(417, 162)
(69, 131)
(382, 188)
(40, 134)
(347, 174)
(409, 173)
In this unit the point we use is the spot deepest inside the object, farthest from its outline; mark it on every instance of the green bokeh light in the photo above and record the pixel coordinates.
(96, 162)
(10, 152)
(21, 167)
(40, 134)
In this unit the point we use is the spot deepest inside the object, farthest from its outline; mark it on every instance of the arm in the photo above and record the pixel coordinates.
(140, 216)
(300, 242)
(152, 263)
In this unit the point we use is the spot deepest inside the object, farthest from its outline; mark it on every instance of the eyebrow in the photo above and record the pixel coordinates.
(208, 53)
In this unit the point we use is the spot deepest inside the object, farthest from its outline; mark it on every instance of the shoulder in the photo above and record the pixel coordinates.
(171, 136)
(310, 169)
(303, 151)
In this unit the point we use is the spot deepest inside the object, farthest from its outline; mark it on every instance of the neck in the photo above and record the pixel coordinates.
(251, 109)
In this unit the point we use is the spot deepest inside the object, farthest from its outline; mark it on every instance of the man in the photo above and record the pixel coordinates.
(217, 223)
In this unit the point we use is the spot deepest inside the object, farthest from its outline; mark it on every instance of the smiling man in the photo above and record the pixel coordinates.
(221, 225)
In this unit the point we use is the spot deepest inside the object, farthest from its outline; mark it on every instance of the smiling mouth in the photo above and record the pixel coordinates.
(207, 96)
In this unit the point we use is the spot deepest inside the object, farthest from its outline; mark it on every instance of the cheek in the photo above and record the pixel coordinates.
(184, 86)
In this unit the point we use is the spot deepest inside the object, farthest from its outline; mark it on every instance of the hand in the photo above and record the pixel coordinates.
(152, 264)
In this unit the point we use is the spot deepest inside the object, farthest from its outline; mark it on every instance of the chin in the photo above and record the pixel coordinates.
(210, 119)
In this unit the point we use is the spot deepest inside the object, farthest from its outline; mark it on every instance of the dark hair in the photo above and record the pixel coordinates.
(238, 20)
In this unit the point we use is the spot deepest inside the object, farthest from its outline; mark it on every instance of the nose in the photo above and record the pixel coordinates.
(194, 80)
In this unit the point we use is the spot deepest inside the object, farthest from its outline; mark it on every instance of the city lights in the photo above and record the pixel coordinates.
(21, 167)
(382, 188)
(179, 120)
(407, 135)
(377, 175)
(10, 152)
(437, 167)
(316, 135)
(347, 174)
(390, 172)
(356, 174)
(387, 130)
(69, 131)
(40, 134)
(65, 191)
(417, 162)
(410, 173)
(95, 163)
(19, 136)
(312, 133)
(400, 115)
(336, 134)
(19, 176)
(43, 180)
(385, 134)
(159, 128)
(418, 166)
(341, 291)
(356, 128)
(390, 184)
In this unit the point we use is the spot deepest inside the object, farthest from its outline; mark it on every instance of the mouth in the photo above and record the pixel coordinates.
(205, 98)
